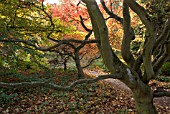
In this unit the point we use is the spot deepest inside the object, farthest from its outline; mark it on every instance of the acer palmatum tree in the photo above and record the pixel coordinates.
(130, 71)
(33, 26)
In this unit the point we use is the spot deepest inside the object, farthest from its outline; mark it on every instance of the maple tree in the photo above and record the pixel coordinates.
(130, 71)
(74, 14)
(47, 31)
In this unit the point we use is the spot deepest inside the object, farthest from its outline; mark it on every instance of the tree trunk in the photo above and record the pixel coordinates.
(144, 100)
(145, 108)
(78, 66)
(65, 65)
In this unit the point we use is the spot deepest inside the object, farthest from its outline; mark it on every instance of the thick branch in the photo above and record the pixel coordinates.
(60, 42)
(128, 36)
(95, 29)
(147, 61)
(137, 65)
(147, 57)
(150, 40)
(57, 87)
(141, 12)
(161, 93)
(99, 21)
(110, 59)
(33, 45)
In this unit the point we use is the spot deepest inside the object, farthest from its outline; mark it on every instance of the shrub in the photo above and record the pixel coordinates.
(166, 69)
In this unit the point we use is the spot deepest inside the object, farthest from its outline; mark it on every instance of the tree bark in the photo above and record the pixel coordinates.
(145, 108)
(78, 65)
(144, 100)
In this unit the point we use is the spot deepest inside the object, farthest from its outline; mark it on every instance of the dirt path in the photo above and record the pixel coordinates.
(161, 102)
(114, 82)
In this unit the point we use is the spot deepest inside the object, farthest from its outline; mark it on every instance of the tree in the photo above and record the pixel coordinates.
(129, 72)
(32, 26)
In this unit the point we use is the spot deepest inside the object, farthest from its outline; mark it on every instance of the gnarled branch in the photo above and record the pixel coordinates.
(163, 58)
(58, 87)
(150, 40)
(127, 37)
(112, 15)
(60, 42)
(163, 37)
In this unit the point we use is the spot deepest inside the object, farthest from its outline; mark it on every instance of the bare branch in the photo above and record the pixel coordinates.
(91, 61)
(33, 45)
(162, 59)
(158, 55)
(58, 87)
(128, 36)
(60, 42)
(161, 93)
(85, 39)
(163, 37)
(83, 25)
(112, 15)
(147, 57)
(95, 29)
(72, 40)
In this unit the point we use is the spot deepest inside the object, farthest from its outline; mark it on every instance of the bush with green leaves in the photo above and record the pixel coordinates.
(166, 69)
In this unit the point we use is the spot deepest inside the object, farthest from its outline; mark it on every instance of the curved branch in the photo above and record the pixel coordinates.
(137, 65)
(163, 37)
(109, 58)
(162, 59)
(112, 15)
(91, 61)
(141, 12)
(83, 25)
(150, 40)
(128, 36)
(33, 45)
(60, 42)
(58, 87)
(85, 39)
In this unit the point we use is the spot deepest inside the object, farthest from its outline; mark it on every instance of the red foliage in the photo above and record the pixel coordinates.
(69, 12)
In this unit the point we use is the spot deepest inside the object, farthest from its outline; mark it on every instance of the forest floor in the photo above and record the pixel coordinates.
(161, 103)
(106, 97)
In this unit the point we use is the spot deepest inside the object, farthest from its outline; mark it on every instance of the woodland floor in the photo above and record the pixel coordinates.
(162, 103)
(106, 97)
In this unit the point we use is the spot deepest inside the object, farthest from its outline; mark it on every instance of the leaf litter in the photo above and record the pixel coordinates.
(100, 97)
